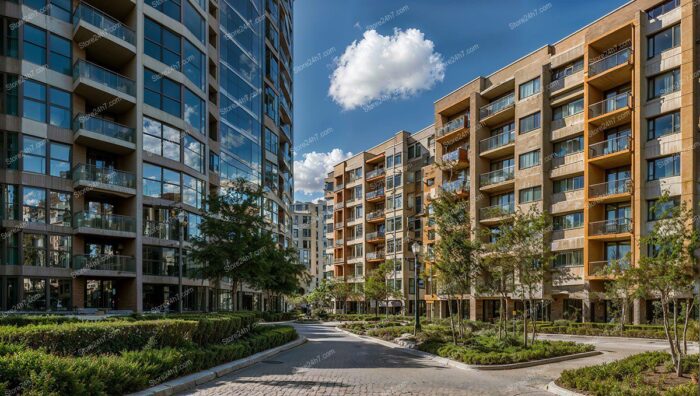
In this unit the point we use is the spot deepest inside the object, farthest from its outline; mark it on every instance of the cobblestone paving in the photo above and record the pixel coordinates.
(332, 363)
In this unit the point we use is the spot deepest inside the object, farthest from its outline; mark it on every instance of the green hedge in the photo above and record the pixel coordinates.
(35, 372)
(611, 329)
(215, 327)
(278, 316)
(626, 376)
(25, 320)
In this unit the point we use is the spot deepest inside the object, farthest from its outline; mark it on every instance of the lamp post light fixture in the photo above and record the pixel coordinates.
(181, 224)
(416, 250)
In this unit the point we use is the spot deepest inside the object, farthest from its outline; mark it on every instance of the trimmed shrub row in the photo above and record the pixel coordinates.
(38, 373)
(278, 316)
(612, 329)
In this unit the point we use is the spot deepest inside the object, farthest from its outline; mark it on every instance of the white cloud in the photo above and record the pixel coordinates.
(385, 67)
(310, 172)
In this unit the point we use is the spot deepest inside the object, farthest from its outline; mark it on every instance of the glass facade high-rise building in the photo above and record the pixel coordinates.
(116, 117)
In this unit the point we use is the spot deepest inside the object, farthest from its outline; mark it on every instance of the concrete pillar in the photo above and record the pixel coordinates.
(557, 308)
(586, 310)
(639, 311)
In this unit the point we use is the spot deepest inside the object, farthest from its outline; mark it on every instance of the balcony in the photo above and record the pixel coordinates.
(105, 225)
(458, 187)
(612, 70)
(610, 227)
(339, 242)
(498, 111)
(104, 180)
(103, 134)
(338, 205)
(450, 128)
(376, 256)
(338, 260)
(497, 177)
(376, 195)
(497, 211)
(339, 225)
(376, 216)
(375, 174)
(338, 187)
(161, 267)
(375, 237)
(611, 112)
(456, 159)
(610, 153)
(599, 269)
(167, 230)
(104, 264)
(618, 190)
(498, 145)
(104, 38)
(101, 86)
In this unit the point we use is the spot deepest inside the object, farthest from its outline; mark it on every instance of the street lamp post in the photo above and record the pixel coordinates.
(416, 250)
(181, 221)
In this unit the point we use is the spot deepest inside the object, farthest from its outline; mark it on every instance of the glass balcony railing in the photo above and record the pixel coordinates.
(498, 176)
(601, 267)
(614, 226)
(104, 22)
(376, 255)
(104, 262)
(104, 222)
(339, 242)
(456, 186)
(457, 155)
(100, 75)
(339, 187)
(496, 141)
(610, 61)
(609, 146)
(161, 267)
(161, 230)
(375, 194)
(374, 236)
(377, 214)
(338, 226)
(610, 188)
(451, 126)
(375, 173)
(495, 211)
(498, 105)
(113, 177)
(609, 105)
(103, 127)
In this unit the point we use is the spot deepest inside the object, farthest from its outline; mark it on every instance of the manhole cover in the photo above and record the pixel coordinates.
(272, 362)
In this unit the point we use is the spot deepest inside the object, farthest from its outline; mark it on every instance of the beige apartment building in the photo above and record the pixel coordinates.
(309, 237)
(377, 205)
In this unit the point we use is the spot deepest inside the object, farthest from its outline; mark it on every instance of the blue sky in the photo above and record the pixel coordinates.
(375, 96)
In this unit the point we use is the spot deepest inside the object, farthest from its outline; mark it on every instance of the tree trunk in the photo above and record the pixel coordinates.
(689, 304)
(524, 322)
(452, 321)
(675, 327)
(674, 355)
(459, 317)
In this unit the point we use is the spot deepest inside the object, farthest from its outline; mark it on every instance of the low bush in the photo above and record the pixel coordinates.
(36, 372)
(389, 333)
(278, 316)
(25, 320)
(612, 329)
(641, 374)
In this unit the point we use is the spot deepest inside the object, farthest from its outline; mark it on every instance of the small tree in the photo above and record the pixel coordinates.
(378, 288)
(620, 290)
(667, 271)
(321, 297)
(340, 290)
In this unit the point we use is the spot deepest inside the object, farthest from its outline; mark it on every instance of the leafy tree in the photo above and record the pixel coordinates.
(667, 271)
(377, 288)
(321, 297)
(340, 290)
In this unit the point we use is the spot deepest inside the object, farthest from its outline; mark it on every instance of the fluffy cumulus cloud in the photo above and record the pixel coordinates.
(385, 67)
(313, 168)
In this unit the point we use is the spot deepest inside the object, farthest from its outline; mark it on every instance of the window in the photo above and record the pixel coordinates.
(567, 70)
(571, 258)
(193, 223)
(271, 141)
(161, 182)
(272, 69)
(658, 210)
(9, 35)
(664, 83)
(60, 108)
(663, 167)
(390, 161)
(60, 55)
(161, 139)
(530, 159)
(271, 176)
(9, 98)
(34, 101)
(34, 205)
(34, 44)
(397, 159)
(568, 221)
(271, 105)
(61, 9)
(194, 64)
(34, 248)
(570, 184)
(568, 147)
(214, 162)
(162, 44)
(394, 202)
(195, 111)
(33, 154)
(663, 8)
(170, 8)
(60, 159)
(162, 93)
(393, 224)
(530, 123)
(568, 109)
(664, 125)
(193, 191)
(663, 41)
(60, 208)
(194, 153)
(531, 194)
(414, 151)
(529, 88)
(194, 21)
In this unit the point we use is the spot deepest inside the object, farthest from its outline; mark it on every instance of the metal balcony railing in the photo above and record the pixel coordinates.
(104, 22)
(609, 62)
(103, 127)
(451, 126)
(339, 187)
(498, 176)
(94, 174)
(375, 173)
(497, 106)
(100, 75)
(609, 105)
(104, 222)
(495, 211)
(161, 267)
(374, 235)
(339, 242)
(614, 226)
(338, 225)
(376, 255)
(600, 267)
(456, 186)
(610, 188)
(496, 141)
(104, 262)
(377, 214)
(375, 194)
(161, 229)
(609, 146)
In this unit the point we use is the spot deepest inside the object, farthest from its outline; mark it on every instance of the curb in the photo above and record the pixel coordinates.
(190, 381)
(464, 366)
(613, 338)
(558, 390)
